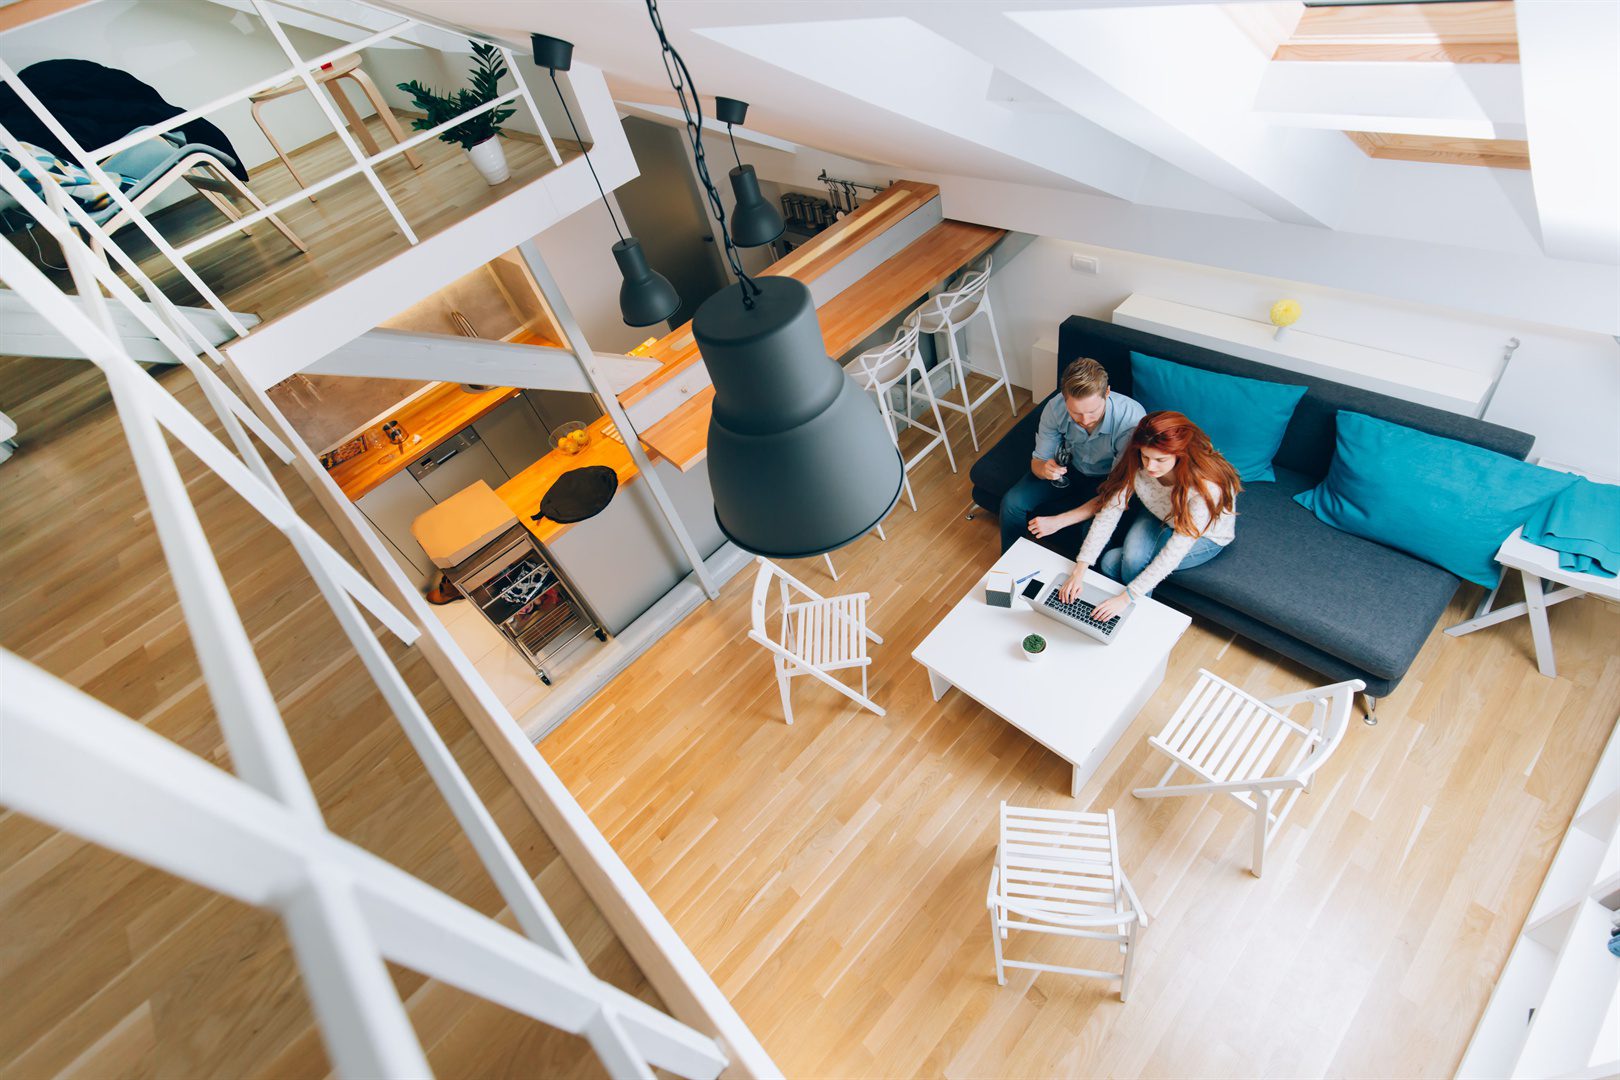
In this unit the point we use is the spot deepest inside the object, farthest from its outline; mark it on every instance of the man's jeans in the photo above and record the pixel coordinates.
(1034, 497)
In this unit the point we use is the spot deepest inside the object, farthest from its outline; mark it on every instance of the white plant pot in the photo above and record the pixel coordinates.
(1035, 657)
(490, 160)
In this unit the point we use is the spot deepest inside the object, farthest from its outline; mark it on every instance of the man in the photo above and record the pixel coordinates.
(1095, 425)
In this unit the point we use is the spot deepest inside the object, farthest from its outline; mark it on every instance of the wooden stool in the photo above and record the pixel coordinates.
(346, 68)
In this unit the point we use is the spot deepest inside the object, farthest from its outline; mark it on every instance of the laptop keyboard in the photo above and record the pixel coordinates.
(1080, 610)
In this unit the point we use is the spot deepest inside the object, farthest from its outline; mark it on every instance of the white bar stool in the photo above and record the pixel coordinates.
(878, 371)
(952, 311)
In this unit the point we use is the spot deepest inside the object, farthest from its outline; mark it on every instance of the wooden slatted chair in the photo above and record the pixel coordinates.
(818, 635)
(1236, 744)
(1057, 872)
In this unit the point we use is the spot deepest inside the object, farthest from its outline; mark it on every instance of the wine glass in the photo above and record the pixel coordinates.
(1062, 459)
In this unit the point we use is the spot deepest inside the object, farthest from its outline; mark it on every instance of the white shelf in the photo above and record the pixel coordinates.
(1410, 377)
(1563, 1036)
(1560, 966)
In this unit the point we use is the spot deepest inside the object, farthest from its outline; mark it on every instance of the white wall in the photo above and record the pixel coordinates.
(579, 251)
(1564, 387)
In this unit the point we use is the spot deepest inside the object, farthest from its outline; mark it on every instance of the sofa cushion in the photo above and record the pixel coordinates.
(1352, 598)
(1446, 501)
(1244, 418)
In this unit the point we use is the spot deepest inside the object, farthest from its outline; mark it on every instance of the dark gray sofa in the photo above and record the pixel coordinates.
(1343, 606)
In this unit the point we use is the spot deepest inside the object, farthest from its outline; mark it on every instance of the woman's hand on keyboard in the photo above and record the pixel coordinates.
(1074, 586)
(1114, 605)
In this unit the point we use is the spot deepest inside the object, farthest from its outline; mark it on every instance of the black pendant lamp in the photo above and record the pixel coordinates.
(646, 297)
(754, 222)
(798, 456)
(799, 459)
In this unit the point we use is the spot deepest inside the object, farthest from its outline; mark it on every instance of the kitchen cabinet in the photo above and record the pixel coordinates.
(557, 407)
(391, 506)
(515, 435)
(624, 560)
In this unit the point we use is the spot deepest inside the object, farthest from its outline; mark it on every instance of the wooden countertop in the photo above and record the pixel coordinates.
(435, 416)
(846, 319)
(525, 490)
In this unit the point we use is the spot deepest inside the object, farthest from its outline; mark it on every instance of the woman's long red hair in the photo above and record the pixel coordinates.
(1199, 467)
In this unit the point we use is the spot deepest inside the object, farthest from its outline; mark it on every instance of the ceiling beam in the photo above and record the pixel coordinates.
(1572, 110)
(1465, 101)
(402, 354)
(1188, 100)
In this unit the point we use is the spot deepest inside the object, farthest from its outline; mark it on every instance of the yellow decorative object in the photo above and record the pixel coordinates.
(1284, 313)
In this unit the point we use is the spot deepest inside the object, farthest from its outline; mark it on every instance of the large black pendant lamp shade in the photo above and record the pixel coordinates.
(799, 459)
(754, 222)
(646, 297)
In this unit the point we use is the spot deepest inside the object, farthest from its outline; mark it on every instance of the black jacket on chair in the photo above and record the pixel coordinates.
(96, 105)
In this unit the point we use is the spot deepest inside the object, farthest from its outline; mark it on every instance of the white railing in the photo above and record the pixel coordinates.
(300, 70)
(78, 765)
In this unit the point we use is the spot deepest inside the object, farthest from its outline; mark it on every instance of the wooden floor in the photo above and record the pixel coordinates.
(109, 968)
(832, 874)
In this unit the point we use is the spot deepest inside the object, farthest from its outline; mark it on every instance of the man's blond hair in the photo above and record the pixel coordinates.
(1083, 378)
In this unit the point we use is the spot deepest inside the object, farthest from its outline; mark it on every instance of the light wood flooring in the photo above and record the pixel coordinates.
(831, 874)
(109, 968)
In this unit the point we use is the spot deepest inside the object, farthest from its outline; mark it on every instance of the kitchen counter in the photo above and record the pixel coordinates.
(434, 416)
(525, 490)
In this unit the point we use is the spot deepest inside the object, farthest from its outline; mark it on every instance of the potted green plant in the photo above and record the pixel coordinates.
(1034, 647)
(480, 135)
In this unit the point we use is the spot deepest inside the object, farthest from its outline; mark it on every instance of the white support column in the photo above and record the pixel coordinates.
(581, 349)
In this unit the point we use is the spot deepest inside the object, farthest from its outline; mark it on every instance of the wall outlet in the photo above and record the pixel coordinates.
(1083, 263)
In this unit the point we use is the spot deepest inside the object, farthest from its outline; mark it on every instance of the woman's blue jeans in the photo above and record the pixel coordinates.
(1143, 540)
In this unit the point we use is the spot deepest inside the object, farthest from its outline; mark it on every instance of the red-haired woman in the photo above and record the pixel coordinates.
(1189, 493)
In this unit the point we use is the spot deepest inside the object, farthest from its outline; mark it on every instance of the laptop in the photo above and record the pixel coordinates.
(1077, 613)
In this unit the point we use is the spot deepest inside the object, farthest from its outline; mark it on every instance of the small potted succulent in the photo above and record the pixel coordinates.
(481, 135)
(1034, 647)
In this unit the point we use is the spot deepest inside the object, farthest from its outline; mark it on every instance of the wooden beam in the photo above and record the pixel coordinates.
(1479, 32)
(1438, 150)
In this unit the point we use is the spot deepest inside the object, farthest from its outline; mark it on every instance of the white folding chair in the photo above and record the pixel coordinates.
(1236, 744)
(818, 635)
(1057, 872)
(952, 311)
(880, 370)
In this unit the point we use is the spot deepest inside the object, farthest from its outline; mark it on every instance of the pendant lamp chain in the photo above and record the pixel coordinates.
(680, 80)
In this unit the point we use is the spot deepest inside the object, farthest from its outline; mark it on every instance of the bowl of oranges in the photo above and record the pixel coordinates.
(571, 437)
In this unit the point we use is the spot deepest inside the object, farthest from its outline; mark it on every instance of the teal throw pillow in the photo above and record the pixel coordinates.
(1244, 418)
(1447, 502)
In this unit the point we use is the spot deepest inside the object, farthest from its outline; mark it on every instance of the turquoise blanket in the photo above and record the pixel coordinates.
(1582, 524)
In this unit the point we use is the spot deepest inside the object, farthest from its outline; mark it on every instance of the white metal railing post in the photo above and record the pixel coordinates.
(574, 341)
(332, 117)
(528, 97)
(113, 191)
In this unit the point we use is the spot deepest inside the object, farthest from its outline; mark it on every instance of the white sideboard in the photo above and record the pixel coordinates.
(1410, 377)
(1555, 1011)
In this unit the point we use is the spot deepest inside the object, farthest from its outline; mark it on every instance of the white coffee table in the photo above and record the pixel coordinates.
(1081, 697)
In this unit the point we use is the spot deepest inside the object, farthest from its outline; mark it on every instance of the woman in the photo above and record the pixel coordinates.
(1190, 495)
